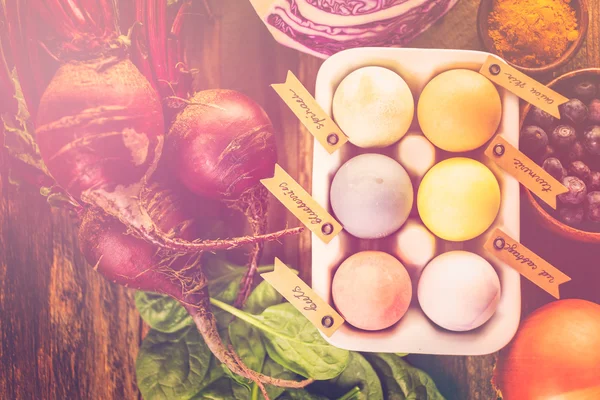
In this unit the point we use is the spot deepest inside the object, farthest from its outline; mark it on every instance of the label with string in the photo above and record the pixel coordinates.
(525, 170)
(525, 87)
(302, 205)
(526, 262)
(310, 113)
(304, 299)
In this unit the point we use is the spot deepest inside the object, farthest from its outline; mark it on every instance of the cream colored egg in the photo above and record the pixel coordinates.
(373, 106)
(459, 110)
(459, 291)
(416, 153)
(458, 199)
(414, 246)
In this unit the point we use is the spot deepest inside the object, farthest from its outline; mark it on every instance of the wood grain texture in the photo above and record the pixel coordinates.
(67, 334)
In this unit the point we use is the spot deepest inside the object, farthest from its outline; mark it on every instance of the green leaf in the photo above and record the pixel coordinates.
(172, 365)
(223, 278)
(358, 373)
(219, 390)
(247, 343)
(271, 368)
(262, 297)
(161, 312)
(300, 394)
(293, 342)
(401, 381)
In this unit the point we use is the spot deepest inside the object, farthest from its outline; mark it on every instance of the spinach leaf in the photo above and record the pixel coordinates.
(293, 342)
(219, 390)
(300, 394)
(172, 365)
(401, 381)
(223, 278)
(358, 373)
(263, 296)
(248, 344)
(271, 368)
(161, 312)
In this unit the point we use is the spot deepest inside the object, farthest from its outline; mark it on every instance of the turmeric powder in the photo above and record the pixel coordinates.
(532, 33)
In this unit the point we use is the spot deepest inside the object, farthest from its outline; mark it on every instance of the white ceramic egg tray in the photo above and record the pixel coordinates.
(415, 333)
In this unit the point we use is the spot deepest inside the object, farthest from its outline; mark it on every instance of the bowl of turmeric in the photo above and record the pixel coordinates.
(534, 36)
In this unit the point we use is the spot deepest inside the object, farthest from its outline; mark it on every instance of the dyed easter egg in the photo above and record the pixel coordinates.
(458, 199)
(373, 106)
(459, 110)
(371, 195)
(371, 290)
(459, 291)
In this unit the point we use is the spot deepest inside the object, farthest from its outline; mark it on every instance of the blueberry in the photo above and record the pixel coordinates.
(591, 140)
(585, 91)
(574, 111)
(554, 167)
(577, 191)
(533, 140)
(563, 137)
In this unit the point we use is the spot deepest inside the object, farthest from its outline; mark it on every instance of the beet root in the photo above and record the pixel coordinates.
(134, 263)
(221, 144)
(226, 160)
(99, 124)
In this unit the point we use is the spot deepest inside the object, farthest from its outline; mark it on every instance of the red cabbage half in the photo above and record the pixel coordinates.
(325, 27)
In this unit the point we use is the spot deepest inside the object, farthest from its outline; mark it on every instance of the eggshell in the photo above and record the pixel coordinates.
(414, 246)
(416, 153)
(459, 291)
(459, 110)
(371, 290)
(458, 199)
(371, 195)
(373, 106)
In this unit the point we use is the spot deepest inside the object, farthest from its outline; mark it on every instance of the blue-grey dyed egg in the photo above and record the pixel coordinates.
(371, 195)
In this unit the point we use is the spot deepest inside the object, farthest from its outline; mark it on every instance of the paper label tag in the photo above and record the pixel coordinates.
(310, 113)
(301, 296)
(302, 205)
(525, 170)
(526, 262)
(522, 85)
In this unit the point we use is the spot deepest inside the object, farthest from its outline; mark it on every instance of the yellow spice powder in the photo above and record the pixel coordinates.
(532, 33)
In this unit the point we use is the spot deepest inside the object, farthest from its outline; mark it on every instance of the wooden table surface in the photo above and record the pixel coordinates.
(66, 333)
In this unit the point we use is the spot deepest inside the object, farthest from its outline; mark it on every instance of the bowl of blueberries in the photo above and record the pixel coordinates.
(568, 149)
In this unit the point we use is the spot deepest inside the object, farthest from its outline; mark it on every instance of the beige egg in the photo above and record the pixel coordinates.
(459, 110)
(459, 290)
(416, 153)
(373, 106)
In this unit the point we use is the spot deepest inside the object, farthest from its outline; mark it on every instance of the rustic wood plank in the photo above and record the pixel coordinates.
(66, 332)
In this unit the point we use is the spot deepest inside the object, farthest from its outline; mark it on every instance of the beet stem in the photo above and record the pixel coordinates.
(207, 325)
(254, 204)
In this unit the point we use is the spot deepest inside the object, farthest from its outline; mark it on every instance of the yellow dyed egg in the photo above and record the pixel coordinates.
(458, 199)
(459, 110)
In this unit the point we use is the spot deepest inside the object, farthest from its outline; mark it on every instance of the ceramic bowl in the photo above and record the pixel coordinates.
(541, 213)
(581, 10)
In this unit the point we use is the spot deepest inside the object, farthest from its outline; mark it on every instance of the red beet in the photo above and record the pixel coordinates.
(99, 128)
(99, 125)
(221, 144)
(135, 263)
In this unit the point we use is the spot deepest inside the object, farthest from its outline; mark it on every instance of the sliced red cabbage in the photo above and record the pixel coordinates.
(325, 27)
